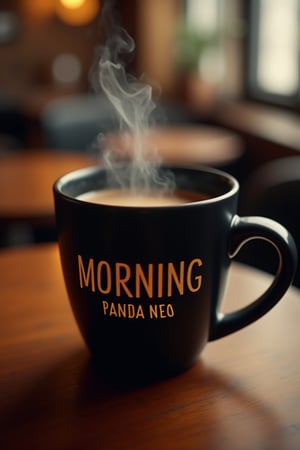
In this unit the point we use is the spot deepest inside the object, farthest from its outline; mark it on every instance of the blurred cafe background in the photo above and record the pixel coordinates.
(226, 79)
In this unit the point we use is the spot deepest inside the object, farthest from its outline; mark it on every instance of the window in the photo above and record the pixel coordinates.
(273, 53)
(203, 14)
(203, 17)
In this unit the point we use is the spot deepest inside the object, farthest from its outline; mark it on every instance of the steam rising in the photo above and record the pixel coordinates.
(133, 104)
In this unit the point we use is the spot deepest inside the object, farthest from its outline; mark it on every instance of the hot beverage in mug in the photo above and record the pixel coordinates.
(125, 197)
(145, 274)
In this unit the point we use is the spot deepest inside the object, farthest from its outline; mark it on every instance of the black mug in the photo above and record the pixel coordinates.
(146, 282)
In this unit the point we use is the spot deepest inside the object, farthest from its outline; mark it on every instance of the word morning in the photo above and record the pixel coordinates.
(152, 280)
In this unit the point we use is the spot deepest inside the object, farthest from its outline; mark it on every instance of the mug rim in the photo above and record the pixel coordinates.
(90, 170)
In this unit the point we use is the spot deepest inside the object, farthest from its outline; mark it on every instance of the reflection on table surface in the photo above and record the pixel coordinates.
(244, 392)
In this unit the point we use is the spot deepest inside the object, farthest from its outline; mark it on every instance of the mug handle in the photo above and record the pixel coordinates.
(244, 229)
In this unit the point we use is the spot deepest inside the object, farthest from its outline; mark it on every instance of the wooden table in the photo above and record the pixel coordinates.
(243, 394)
(26, 180)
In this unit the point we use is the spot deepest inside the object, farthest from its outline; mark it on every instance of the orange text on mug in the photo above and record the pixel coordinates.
(137, 311)
(139, 281)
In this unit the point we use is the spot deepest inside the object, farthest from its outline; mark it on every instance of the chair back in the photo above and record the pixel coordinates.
(73, 123)
(273, 190)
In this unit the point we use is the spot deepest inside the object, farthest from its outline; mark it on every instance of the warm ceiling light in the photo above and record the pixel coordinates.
(72, 4)
(77, 12)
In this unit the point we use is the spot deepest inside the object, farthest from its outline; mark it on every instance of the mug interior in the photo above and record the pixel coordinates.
(211, 182)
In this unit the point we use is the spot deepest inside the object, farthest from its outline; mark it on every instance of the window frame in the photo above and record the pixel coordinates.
(252, 90)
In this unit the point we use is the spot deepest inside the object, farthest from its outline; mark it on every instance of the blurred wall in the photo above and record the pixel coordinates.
(26, 61)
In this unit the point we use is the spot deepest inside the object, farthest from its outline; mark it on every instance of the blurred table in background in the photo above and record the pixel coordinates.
(206, 145)
(26, 177)
(201, 144)
(26, 180)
